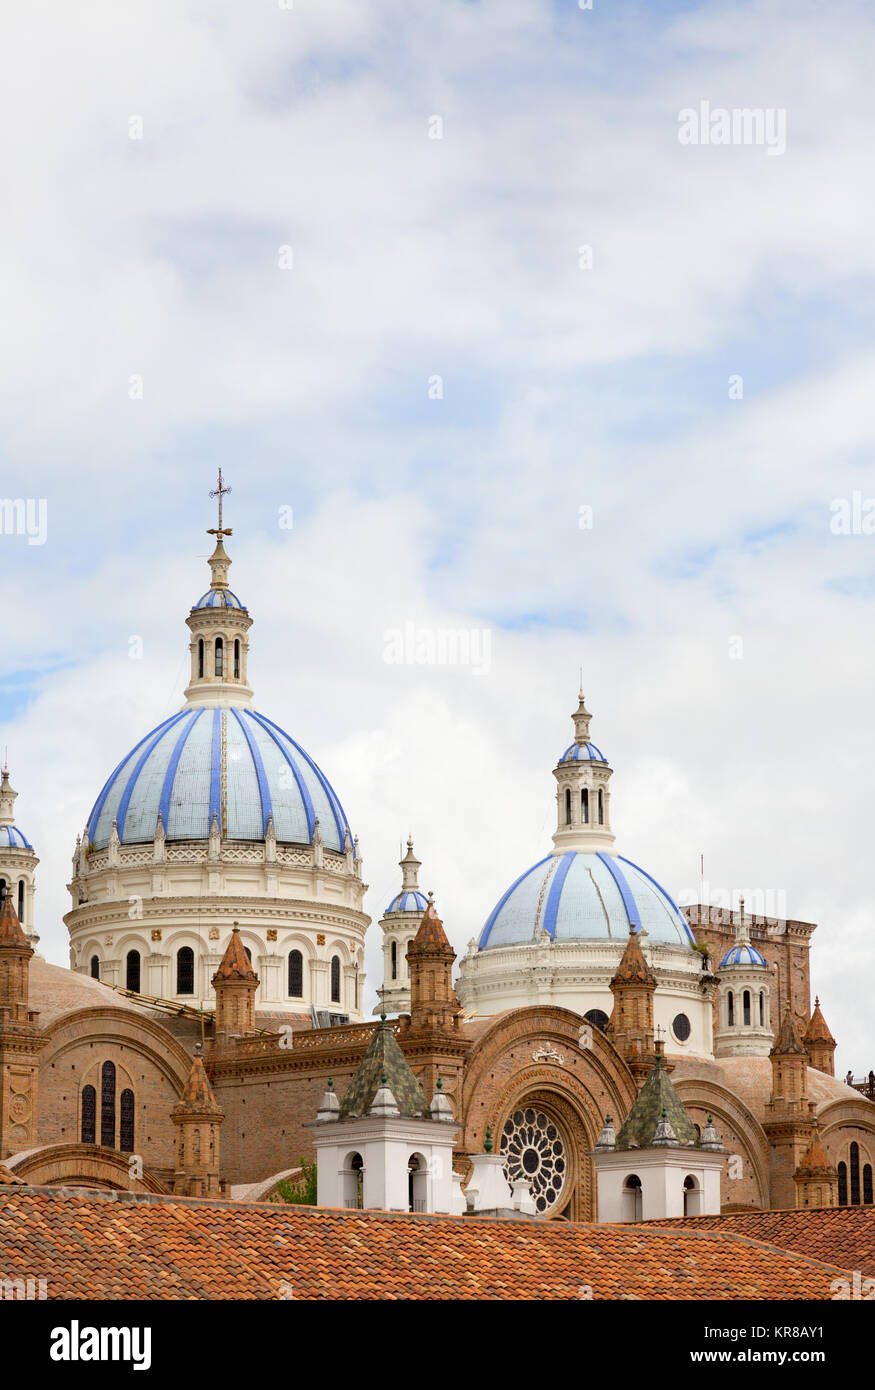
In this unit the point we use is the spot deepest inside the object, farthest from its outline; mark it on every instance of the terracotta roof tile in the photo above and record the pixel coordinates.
(815, 1159)
(198, 1093)
(817, 1030)
(235, 964)
(633, 968)
(836, 1235)
(99, 1245)
(431, 930)
(10, 927)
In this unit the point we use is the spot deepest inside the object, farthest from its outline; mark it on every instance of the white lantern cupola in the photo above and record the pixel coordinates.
(219, 623)
(17, 860)
(744, 1027)
(582, 798)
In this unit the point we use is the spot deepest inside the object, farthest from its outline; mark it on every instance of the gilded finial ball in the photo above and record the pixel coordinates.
(488, 1143)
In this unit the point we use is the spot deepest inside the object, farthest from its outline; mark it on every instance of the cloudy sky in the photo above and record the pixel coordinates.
(443, 279)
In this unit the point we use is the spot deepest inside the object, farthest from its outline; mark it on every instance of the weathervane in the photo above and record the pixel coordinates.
(220, 492)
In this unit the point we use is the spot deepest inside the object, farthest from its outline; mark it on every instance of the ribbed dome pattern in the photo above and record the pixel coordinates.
(580, 896)
(233, 763)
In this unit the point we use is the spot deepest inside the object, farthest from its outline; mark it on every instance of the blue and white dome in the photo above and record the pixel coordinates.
(580, 896)
(742, 954)
(12, 838)
(408, 900)
(218, 598)
(583, 753)
(232, 763)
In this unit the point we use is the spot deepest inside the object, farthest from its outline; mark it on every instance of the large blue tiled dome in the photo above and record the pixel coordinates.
(203, 761)
(579, 896)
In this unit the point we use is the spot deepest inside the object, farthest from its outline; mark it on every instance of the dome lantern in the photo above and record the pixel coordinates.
(583, 799)
(219, 624)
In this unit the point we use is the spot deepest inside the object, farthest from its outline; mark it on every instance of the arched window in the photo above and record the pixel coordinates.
(200, 656)
(692, 1197)
(567, 805)
(236, 658)
(633, 1198)
(746, 998)
(597, 1017)
(335, 979)
(601, 807)
(855, 1174)
(762, 1009)
(2, 890)
(248, 954)
(296, 975)
(89, 1115)
(220, 657)
(417, 1183)
(730, 1008)
(126, 1123)
(353, 1181)
(394, 955)
(21, 901)
(185, 970)
(132, 971)
(867, 1185)
(584, 806)
(843, 1184)
(95, 967)
(107, 1105)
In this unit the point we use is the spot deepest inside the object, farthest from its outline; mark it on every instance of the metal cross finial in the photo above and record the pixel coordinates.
(220, 492)
(659, 1032)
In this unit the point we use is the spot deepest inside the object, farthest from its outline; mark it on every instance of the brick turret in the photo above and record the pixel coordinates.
(630, 1026)
(197, 1118)
(20, 1039)
(235, 983)
(816, 1179)
(789, 1120)
(433, 1002)
(819, 1043)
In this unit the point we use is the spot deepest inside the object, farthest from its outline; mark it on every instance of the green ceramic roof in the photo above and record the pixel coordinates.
(657, 1094)
(384, 1058)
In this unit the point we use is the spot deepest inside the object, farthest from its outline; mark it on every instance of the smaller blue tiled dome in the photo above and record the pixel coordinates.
(742, 954)
(219, 598)
(12, 838)
(583, 753)
(408, 900)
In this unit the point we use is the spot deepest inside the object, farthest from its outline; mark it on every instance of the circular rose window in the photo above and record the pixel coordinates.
(533, 1147)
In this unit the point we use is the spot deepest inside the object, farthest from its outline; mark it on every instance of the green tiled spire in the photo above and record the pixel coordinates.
(384, 1064)
(656, 1099)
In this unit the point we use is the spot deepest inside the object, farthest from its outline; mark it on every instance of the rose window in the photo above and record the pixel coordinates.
(533, 1147)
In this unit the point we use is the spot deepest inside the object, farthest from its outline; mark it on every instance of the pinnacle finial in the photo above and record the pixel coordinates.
(487, 1144)
(220, 491)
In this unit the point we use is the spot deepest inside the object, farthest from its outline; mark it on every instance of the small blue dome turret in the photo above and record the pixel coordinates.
(583, 752)
(12, 838)
(218, 598)
(742, 953)
(408, 902)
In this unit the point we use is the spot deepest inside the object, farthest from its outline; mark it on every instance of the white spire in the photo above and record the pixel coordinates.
(410, 867)
(219, 645)
(8, 796)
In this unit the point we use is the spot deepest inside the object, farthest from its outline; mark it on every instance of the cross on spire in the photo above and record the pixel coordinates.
(220, 491)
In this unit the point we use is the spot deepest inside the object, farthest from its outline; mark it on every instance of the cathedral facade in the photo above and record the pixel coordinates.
(216, 983)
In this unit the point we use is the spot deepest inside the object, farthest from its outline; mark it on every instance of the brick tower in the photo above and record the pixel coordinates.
(819, 1043)
(196, 1120)
(789, 1121)
(235, 983)
(816, 1179)
(630, 1026)
(20, 1039)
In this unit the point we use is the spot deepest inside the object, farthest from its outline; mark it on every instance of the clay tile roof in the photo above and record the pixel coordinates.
(120, 1245)
(633, 968)
(235, 964)
(431, 930)
(837, 1235)
(817, 1030)
(7, 1176)
(384, 1058)
(787, 1042)
(656, 1095)
(198, 1093)
(10, 928)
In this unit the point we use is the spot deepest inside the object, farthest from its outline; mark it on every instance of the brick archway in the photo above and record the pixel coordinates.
(81, 1165)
